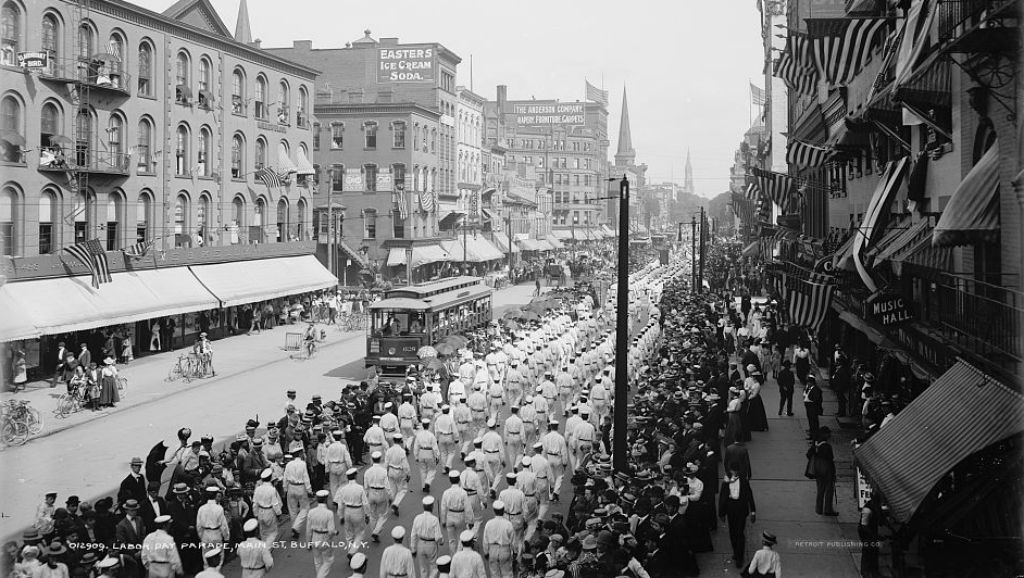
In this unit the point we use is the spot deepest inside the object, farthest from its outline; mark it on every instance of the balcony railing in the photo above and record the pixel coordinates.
(91, 161)
(958, 18)
(105, 77)
(979, 316)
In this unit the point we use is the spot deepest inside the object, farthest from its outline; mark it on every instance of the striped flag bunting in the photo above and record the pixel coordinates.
(777, 187)
(800, 80)
(752, 192)
(138, 250)
(743, 208)
(806, 156)
(270, 179)
(402, 201)
(839, 58)
(91, 254)
(808, 302)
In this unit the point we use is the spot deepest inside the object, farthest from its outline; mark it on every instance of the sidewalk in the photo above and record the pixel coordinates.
(810, 545)
(147, 376)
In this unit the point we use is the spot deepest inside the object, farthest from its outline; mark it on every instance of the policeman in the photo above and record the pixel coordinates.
(353, 510)
(426, 538)
(320, 530)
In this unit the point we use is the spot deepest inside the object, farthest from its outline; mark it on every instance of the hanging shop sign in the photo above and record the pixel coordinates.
(889, 309)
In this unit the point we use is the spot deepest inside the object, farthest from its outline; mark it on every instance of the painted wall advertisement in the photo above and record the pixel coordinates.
(353, 179)
(408, 63)
(537, 113)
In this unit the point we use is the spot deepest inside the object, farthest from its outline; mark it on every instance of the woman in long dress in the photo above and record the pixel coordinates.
(734, 423)
(757, 420)
(108, 384)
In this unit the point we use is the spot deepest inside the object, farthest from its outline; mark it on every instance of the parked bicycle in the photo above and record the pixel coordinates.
(70, 403)
(19, 421)
(187, 367)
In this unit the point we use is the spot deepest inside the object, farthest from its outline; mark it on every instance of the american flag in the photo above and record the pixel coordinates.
(839, 58)
(402, 201)
(139, 250)
(808, 302)
(91, 254)
(757, 95)
(775, 186)
(271, 179)
(806, 156)
(595, 94)
(752, 191)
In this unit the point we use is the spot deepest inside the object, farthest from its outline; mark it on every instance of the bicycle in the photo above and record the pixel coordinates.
(69, 403)
(312, 347)
(21, 410)
(186, 367)
(13, 431)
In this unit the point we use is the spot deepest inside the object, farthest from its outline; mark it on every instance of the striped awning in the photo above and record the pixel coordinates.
(925, 255)
(302, 163)
(890, 235)
(972, 214)
(421, 255)
(962, 412)
(752, 249)
(906, 240)
(929, 86)
(562, 234)
(876, 214)
(284, 163)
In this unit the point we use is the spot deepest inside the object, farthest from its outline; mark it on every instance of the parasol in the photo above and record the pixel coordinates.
(426, 352)
(445, 348)
(457, 341)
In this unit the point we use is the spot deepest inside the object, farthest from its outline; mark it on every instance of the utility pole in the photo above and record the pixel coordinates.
(330, 226)
(508, 233)
(619, 449)
(693, 251)
(700, 274)
(465, 241)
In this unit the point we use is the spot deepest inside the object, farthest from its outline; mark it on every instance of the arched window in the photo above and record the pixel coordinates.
(112, 227)
(47, 215)
(205, 152)
(182, 70)
(238, 91)
(202, 214)
(50, 124)
(181, 219)
(115, 47)
(145, 69)
(11, 122)
(86, 42)
(84, 212)
(237, 156)
(115, 138)
(282, 220)
(261, 153)
(300, 115)
(433, 140)
(282, 103)
(300, 220)
(261, 97)
(8, 218)
(142, 216)
(316, 136)
(258, 214)
(237, 220)
(84, 138)
(144, 146)
(205, 82)
(10, 33)
(181, 152)
(51, 39)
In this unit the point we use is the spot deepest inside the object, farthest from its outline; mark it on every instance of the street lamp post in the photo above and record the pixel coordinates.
(619, 450)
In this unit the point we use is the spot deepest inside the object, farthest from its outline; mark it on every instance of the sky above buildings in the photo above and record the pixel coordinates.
(686, 65)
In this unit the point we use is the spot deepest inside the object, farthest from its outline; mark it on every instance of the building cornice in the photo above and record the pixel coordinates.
(137, 15)
(374, 108)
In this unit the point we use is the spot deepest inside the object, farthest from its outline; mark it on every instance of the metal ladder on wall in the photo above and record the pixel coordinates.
(80, 96)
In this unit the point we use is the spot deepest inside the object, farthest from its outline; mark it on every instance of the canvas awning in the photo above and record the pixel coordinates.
(17, 322)
(972, 214)
(924, 254)
(875, 215)
(555, 242)
(500, 241)
(962, 412)
(906, 239)
(608, 232)
(529, 244)
(302, 163)
(544, 245)
(478, 250)
(451, 219)
(284, 163)
(421, 255)
(66, 304)
(562, 234)
(240, 282)
(752, 249)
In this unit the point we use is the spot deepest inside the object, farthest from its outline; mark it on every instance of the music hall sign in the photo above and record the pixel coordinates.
(889, 309)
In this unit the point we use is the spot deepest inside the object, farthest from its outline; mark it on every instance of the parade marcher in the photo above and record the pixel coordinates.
(159, 553)
(397, 463)
(267, 506)
(513, 435)
(358, 565)
(338, 461)
(211, 522)
(427, 454)
(297, 486)
(470, 481)
(557, 453)
(467, 562)
(526, 482)
(463, 420)
(492, 445)
(407, 420)
(320, 530)
(254, 554)
(541, 469)
(353, 511)
(515, 509)
(426, 538)
(397, 561)
(498, 540)
(378, 489)
(456, 509)
(213, 559)
(374, 437)
(447, 434)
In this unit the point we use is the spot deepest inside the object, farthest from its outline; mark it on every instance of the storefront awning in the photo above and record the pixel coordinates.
(875, 216)
(962, 412)
(451, 219)
(66, 304)
(608, 232)
(500, 241)
(528, 244)
(972, 214)
(478, 250)
(243, 282)
(555, 242)
(874, 335)
(302, 163)
(543, 245)
(284, 163)
(17, 324)
(752, 249)
(924, 254)
(562, 234)
(906, 239)
(421, 255)
(890, 235)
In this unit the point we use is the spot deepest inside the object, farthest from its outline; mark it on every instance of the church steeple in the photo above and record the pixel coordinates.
(625, 155)
(243, 33)
(688, 174)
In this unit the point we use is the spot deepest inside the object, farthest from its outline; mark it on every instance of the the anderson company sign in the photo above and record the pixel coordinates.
(548, 113)
(408, 63)
(890, 310)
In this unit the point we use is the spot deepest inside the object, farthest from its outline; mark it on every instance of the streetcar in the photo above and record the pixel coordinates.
(407, 318)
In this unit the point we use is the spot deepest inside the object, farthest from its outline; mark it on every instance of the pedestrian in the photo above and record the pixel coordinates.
(108, 384)
(786, 382)
(802, 361)
(867, 531)
(320, 531)
(130, 531)
(823, 466)
(254, 554)
(735, 504)
(813, 406)
(737, 459)
(766, 561)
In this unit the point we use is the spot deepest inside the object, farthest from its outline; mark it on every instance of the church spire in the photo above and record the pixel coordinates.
(625, 156)
(243, 33)
(688, 174)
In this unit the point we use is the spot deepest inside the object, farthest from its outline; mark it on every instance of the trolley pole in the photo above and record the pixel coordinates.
(700, 272)
(619, 448)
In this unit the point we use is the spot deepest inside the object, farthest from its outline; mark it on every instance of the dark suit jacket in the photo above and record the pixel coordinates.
(823, 464)
(814, 395)
(738, 458)
(85, 358)
(786, 379)
(741, 507)
(750, 358)
(147, 512)
(128, 536)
